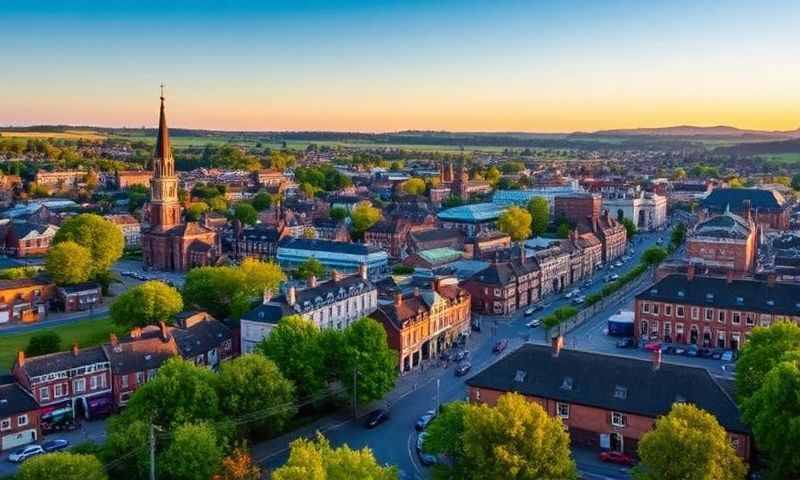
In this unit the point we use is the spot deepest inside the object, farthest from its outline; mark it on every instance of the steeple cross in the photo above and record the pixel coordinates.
(162, 90)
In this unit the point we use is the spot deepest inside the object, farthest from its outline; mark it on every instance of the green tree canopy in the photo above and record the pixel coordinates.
(366, 351)
(102, 238)
(245, 213)
(253, 383)
(516, 439)
(338, 213)
(764, 349)
(678, 234)
(262, 201)
(70, 466)
(146, 304)
(688, 443)
(654, 255)
(42, 343)
(492, 175)
(195, 453)
(796, 182)
(68, 263)
(516, 222)
(364, 215)
(311, 266)
(218, 204)
(195, 210)
(414, 186)
(539, 209)
(317, 460)
(294, 346)
(630, 227)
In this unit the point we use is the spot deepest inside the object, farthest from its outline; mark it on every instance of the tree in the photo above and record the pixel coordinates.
(735, 182)
(294, 346)
(364, 215)
(238, 465)
(126, 435)
(630, 227)
(146, 304)
(516, 222)
(367, 352)
(252, 384)
(414, 186)
(195, 210)
(218, 204)
(563, 230)
(245, 213)
(262, 201)
(540, 213)
(309, 233)
(42, 343)
(678, 235)
(764, 349)
(317, 460)
(688, 443)
(338, 213)
(195, 453)
(654, 255)
(68, 263)
(307, 189)
(773, 412)
(796, 182)
(181, 392)
(492, 176)
(102, 238)
(679, 174)
(70, 466)
(516, 439)
(311, 266)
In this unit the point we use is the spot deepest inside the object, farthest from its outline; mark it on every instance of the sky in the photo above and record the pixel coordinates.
(532, 66)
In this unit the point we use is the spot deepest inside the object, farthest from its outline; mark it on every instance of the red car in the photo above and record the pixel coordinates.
(617, 457)
(652, 346)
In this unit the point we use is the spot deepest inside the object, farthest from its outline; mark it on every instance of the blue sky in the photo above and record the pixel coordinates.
(375, 66)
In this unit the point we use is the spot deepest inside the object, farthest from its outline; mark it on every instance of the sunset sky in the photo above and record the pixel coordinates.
(535, 65)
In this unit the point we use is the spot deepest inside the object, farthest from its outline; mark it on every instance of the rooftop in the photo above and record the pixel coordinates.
(474, 213)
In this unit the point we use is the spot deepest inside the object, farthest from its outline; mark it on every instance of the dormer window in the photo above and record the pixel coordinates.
(681, 293)
(739, 300)
(709, 297)
(567, 383)
(620, 392)
(771, 302)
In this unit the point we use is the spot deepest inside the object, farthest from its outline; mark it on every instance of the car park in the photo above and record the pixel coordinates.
(617, 457)
(25, 453)
(500, 346)
(425, 420)
(463, 369)
(376, 417)
(424, 457)
(55, 445)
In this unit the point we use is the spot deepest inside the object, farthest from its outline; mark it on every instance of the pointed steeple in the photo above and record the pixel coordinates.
(163, 149)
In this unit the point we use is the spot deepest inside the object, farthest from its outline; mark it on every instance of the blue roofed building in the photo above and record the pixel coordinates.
(522, 197)
(472, 219)
(344, 257)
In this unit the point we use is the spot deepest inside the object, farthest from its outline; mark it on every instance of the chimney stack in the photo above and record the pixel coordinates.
(729, 277)
(656, 356)
(266, 296)
(291, 296)
(21, 358)
(746, 209)
(362, 270)
(771, 279)
(163, 328)
(114, 340)
(416, 291)
(136, 332)
(335, 275)
(690, 273)
(558, 344)
(312, 281)
(398, 299)
(75, 349)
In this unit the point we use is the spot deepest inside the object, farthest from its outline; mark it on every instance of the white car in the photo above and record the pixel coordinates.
(25, 453)
(534, 323)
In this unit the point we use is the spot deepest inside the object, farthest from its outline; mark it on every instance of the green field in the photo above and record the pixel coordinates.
(85, 333)
(787, 158)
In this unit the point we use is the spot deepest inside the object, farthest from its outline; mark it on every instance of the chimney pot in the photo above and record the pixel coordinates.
(75, 349)
(163, 328)
(21, 358)
(114, 340)
(729, 277)
(558, 344)
(291, 296)
(362, 270)
(266, 296)
(656, 356)
(398, 299)
(690, 273)
(416, 291)
(312, 281)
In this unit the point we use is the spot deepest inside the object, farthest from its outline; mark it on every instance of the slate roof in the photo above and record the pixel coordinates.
(595, 378)
(14, 400)
(80, 287)
(345, 248)
(262, 233)
(437, 234)
(270, 312)
(764, 200)
(727, 225)
(139, 354)
(57, 362)
(747, 295)
(504, 273)
(323, 289)
(201, 337)
(474, 213)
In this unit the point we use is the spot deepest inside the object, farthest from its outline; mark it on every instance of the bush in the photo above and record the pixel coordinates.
(402, 270)
(593, 298)
(43, 343)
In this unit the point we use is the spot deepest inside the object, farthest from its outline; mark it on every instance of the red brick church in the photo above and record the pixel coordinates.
(169, 243)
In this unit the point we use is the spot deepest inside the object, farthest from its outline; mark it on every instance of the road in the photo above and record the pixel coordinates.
(394, 441)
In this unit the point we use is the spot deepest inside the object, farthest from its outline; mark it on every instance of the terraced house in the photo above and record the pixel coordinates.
(503, 288)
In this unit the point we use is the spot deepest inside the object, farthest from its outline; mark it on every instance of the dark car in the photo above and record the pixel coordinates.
(424, 421)
(376, 418)
(704, 353)
(424, 457)
(626, 343)
(463, 369)
(445, 355)
(716, 354)
(617, 457)
(461, 355)
(476, 327)
(668, 349)
(500, 346)
(54, 445)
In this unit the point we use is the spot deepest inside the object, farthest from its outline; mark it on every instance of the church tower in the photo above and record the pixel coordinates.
(165, 209)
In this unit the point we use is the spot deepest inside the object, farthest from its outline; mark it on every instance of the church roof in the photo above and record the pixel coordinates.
(163, 149)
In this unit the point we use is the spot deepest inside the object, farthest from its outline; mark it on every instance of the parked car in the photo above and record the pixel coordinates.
(376, 418)
(476, 327)
(445, 355)
(617, 264)
(704, 353)
(461, 355)
(25, 453)
(463, 369)
(727, 356)
(692, 351)
(626, 342)
(617, 457)
(534, 323)
(716, 354)
(652, 346)
(500, 346)
(424, 457)
(679, 350)
(425, 420)
(578, 300)
(667, 349)
(54, 445)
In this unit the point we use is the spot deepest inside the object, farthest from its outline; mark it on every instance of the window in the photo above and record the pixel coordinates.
(679, 311)
(5, 424)
(22, 420)
(737, 318)
(139, 378)
(645, 307)
(93, 382)
(668, 310)
(735, 443)
(655, 309)
(709, 314)
(617, 419)
(721, 316)
(124, 381)
(44, 393)
(748, 319)
(563, 409)
(620, 392)
(695, 313)
(59, 390)
(667, 329)
(79, 385)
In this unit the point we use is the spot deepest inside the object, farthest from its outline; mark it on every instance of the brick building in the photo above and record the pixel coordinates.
(607, 402)
(724, 243)
(612, 235)
(577, 206)
(129, 226)
(768, 208)
(710, 311)
(24, 239)
(128, 178)
(435, 238)
(24, 300)
(170, 244)
(503, 288)
(421, 324)
(19, 417)
(78, 298)
(60, 180)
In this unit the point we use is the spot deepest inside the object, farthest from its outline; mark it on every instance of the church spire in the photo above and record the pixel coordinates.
(163, 150)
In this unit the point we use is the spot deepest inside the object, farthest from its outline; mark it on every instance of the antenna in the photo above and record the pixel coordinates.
(162, 90)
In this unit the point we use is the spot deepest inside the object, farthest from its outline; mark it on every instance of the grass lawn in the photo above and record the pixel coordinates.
(65, 135)
(786, 158)
(86, 333)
